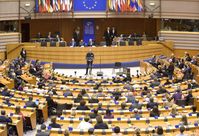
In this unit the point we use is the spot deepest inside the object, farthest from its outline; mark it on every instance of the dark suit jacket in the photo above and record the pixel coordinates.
(31, 104)
(55, 125)
(93, 100)
(101, 126)
(5, 120)
(76, 38)
(82, 108)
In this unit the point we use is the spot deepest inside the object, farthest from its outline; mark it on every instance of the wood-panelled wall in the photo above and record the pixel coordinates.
(67, 26)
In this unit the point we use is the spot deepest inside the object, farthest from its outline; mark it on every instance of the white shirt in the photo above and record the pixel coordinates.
(84, 125)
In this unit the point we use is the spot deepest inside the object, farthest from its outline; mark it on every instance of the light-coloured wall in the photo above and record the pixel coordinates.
(182, 40)
(188, 9)
(8, 38)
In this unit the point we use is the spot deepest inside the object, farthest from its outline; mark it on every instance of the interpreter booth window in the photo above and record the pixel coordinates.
(188, 25)
(8, 26)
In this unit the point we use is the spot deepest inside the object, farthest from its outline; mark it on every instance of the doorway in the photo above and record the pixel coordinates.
(25, 31)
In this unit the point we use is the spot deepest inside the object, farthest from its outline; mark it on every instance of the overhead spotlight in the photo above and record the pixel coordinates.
(152, 3)
(27, 4)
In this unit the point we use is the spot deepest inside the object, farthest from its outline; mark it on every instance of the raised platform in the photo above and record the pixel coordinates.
(107, 56)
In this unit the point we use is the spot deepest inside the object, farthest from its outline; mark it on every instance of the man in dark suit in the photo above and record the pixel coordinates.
(4, 119)
(76, 36)
(54, 124)
(94, 114)
(89, 59)
(151, 104)
(43, 131)
(6, 92)
(30, 103)
(107, 35)
(23, 53)
(113, 33)
(82, 106)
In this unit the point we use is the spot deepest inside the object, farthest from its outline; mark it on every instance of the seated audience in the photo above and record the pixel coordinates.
(68, 93)
(94, 114)
(155, 83)
(159, 131)
(100, 124)
(91, 131)
(174, 112)
(53, 123)
(161, 90)
(43, 131)
(135, 105)
(184, 120)
(82, 106)
(123, 106)
(78, 99)
(31, 103)
(136, 114)
(130, 98)
(93, 99)
(108, 115)
(182, 129)
(4, 119)
(155, 112)
(116, 131)
(189, 97)
(194, 110)
(151, 104)
(100, 107)
(177, 95)
(83, 93)
(84, 124)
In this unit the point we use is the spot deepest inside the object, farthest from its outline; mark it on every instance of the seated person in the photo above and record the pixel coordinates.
(193, 84)
(123, 106)
(93, 99)
(130, 98)
(161, 90)
(182, 129)
(151, 104)
(84, 124)
(4, 119)
(108, 115)
(94, 114)
(91, 42)
(174, 112)
(100, 124)
(82, 106)
(145, 91)
(53, 123)
(73, 43)
(189, 97)
(31, 103)
(136, 114)
(155, 112)
(51, 104)
(167, 82)
(74, 80)
(81, 43)
(6, 92)
(43, 131)
(117, 79)
(116, 131)
(84, 93)
(100, 107)
(72, 115)
(135, 105)
(159, 131)
(7, 102)
(100, 93)
(155, 83)
(184, 120)
(194, 110)
(116, 92)
(18, 112)
(68, 93)
(91, 132)
(78, 99)
(177, 95)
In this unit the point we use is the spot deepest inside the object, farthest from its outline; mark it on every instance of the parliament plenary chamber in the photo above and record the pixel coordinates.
(99, 67)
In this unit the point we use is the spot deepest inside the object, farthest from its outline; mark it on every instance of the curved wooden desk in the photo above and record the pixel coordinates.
(77, 55)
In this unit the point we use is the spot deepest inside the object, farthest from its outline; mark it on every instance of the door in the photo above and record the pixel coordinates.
(25, 31)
